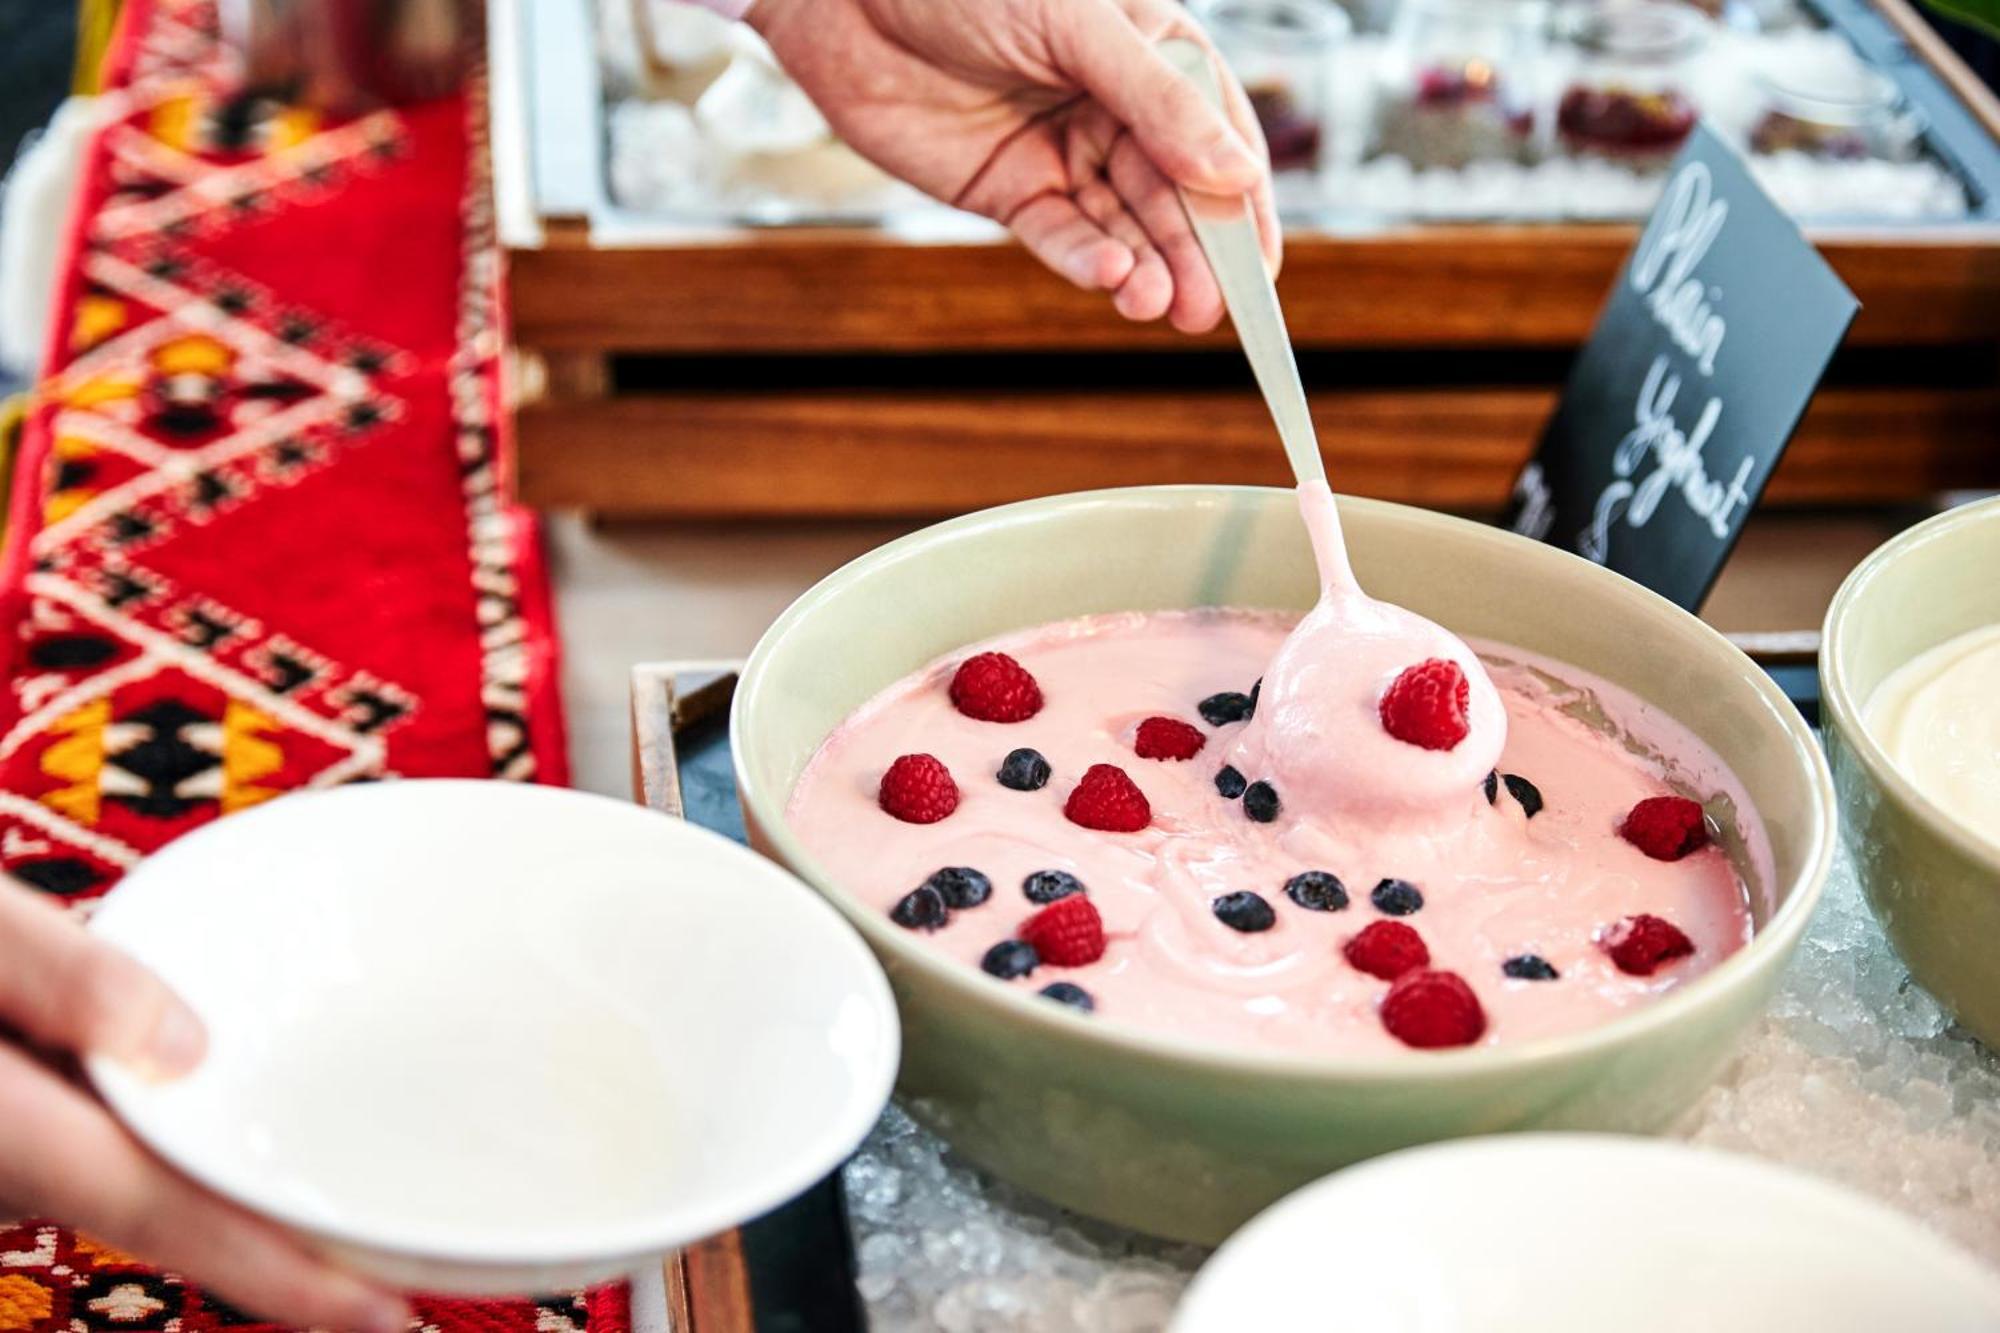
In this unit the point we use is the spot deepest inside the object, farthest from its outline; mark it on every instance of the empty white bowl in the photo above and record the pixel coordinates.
(482, 1038)
(1581, 1233)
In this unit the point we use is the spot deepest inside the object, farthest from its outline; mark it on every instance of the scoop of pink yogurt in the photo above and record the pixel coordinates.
(1318, 737)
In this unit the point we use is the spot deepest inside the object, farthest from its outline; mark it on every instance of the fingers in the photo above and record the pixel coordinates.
(63, 1157)
(1056, 232)
(62, 988)
(1111, 59)
(1148, 289)
(1197, 302)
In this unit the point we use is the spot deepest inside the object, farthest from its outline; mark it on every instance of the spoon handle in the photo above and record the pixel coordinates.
(1227, 230)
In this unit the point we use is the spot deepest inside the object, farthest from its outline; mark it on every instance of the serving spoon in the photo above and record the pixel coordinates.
(1227, 230)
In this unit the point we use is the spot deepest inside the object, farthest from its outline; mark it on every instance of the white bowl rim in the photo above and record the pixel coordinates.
(1766, 947)
(656, 1232)
(1846, 709)
(1829, 1196)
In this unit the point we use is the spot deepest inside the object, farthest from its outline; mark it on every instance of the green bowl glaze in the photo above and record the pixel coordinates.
(1933, 882)
(1187, 1140)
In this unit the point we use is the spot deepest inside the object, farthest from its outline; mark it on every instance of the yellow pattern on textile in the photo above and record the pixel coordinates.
(96, 20)
(78, 759)
(60, 504)
(24, 1303)
(97, 318)
(247, 756)
(101, 1254)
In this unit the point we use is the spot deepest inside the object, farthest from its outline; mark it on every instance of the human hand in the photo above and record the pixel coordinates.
(62, 1155)
(1058, 118)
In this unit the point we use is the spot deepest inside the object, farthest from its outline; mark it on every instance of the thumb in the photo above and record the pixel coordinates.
(1187, 138)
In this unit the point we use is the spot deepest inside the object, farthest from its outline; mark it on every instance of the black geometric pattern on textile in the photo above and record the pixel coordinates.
(128, 527)
(72, 473)
(163, 760)
(573, 1310)
(60, 875)
(375, 711)
(203, 630)
(210, 490)
(68, 652)
(120, 588)
(287, 673)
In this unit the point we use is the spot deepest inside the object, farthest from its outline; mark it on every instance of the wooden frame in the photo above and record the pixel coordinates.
(686, 374)
(707, 1285)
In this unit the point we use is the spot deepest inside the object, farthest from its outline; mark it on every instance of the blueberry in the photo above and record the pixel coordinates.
(1260, 802)
(1255, 690)
(960, 886)
(1219, 710)
(1530, 967)
(1024, 770)
(922, 908)
(1397, 897)
(1071, 994)
(1230, 783)
(1011, 958)
(1525, 792)
(1045, 886)
(1490, 784)
(1244, 911)
(1317, 891)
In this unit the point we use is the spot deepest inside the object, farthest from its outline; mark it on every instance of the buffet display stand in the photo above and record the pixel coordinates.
(669, 369)
(1856, 1075)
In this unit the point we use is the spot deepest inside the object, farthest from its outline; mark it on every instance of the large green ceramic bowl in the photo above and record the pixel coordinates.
(1188, 1140)
(1934, 884)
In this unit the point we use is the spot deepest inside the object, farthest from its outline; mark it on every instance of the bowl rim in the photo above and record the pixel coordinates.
(1846, 708)
(658, 1230)
(1767, 947)
(1585, 1154)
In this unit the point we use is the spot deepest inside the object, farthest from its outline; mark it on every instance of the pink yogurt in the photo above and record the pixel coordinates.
(1355, 802)
(1497, 886)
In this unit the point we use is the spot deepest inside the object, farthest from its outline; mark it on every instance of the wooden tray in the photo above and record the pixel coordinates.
(793, 1268)
(802, 371)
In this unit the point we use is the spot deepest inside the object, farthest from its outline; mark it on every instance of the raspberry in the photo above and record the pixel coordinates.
(1387, 949)
(918, 789)
(1431, 1009)
(1167, 738)
(1068, 932)
(993, 687)
(1665, 828)
(1108, 801)
(1426, 705)
(1639, 944)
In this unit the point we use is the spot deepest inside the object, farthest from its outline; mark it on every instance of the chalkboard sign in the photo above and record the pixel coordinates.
(1719, 328)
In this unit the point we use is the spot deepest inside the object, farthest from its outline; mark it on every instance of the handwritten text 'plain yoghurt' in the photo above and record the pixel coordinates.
(1665, 267)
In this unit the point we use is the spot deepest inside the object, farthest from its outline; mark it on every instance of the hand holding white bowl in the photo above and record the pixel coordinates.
(64, 1157)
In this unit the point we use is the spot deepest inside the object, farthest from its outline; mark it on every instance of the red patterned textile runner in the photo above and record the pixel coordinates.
(260, 536)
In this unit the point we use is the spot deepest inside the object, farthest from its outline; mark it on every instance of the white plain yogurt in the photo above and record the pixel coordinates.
(1938, 716)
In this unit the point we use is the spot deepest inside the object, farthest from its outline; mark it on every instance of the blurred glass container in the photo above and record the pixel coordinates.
(345, 56)
(1456, 83)
(1627, 95)
(1837, 114)
(1282, 51)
